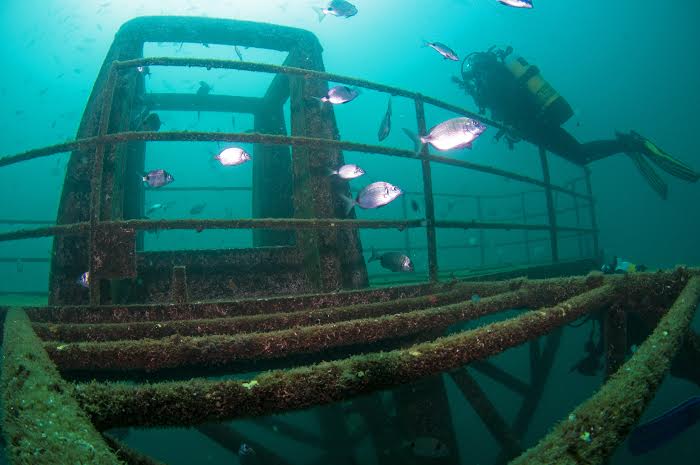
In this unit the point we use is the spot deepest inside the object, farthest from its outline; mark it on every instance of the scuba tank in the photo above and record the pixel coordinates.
(554, 109)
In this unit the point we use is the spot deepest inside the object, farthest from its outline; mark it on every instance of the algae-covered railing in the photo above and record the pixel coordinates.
(394, 328)
(109, 240)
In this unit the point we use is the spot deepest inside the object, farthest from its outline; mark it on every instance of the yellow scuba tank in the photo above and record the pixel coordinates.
(554, 109)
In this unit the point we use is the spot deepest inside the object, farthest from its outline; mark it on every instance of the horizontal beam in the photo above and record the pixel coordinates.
(223, 350)
(198, 401)
(262, 322)
(74, 229)
(200, 225)
(274, 139)
(506, 226)
(306, 73)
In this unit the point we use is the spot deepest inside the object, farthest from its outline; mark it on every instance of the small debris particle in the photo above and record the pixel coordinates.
(250, 384)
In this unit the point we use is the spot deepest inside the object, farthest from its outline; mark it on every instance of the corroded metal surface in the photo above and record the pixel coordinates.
(33, 393)
(594, 429)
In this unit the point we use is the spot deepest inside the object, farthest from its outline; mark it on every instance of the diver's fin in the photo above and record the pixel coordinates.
(665, 161)
(660, 430)
(649, 174)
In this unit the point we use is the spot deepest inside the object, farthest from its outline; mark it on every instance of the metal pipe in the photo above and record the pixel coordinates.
(506, 226)
(427, 195)
(550, 206)
(273, 139)
(482, 235)
(96, 183)
(114, 405)
(594, 221)
(306, 73)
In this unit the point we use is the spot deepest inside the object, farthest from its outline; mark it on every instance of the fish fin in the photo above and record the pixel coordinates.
(348, 202)
(425, 43)
(319, 12)
(417, 142)
(375, 255)
(468, 146)
(331, 172)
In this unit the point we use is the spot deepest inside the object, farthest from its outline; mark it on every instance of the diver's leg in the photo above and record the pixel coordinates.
(599, 149)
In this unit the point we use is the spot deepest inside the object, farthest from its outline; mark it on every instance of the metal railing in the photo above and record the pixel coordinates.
(103, 139)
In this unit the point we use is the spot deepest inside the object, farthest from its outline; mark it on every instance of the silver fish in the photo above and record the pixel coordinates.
(374, 195)
(339, 94)
(455, 133)
(348, 171)
(443, 50)
(84, 280)
(154, 208)
(158, 178)
(233, 156)
(385, 126)
(339, 8)
(393, 261)
(517, 3)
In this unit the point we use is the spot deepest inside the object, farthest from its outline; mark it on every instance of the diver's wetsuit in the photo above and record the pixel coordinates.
(492, 85)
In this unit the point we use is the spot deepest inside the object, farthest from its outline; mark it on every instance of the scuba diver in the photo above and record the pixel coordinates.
(529, 108)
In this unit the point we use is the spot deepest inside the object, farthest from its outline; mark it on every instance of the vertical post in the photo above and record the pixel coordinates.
(594, 221)
(526, 233)
(96, 184)
(407, 232)
(572, 186)
(480, 216)
(178, 285)
(550, 205)
(428, 193)
(272, 177)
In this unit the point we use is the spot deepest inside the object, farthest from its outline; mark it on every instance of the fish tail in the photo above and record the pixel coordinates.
(348, 202)
(331, 172)
(319, 11)
(417, 140)
(375, 256)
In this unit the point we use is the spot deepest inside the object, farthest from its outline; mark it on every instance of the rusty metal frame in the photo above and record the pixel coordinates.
(397, 328)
